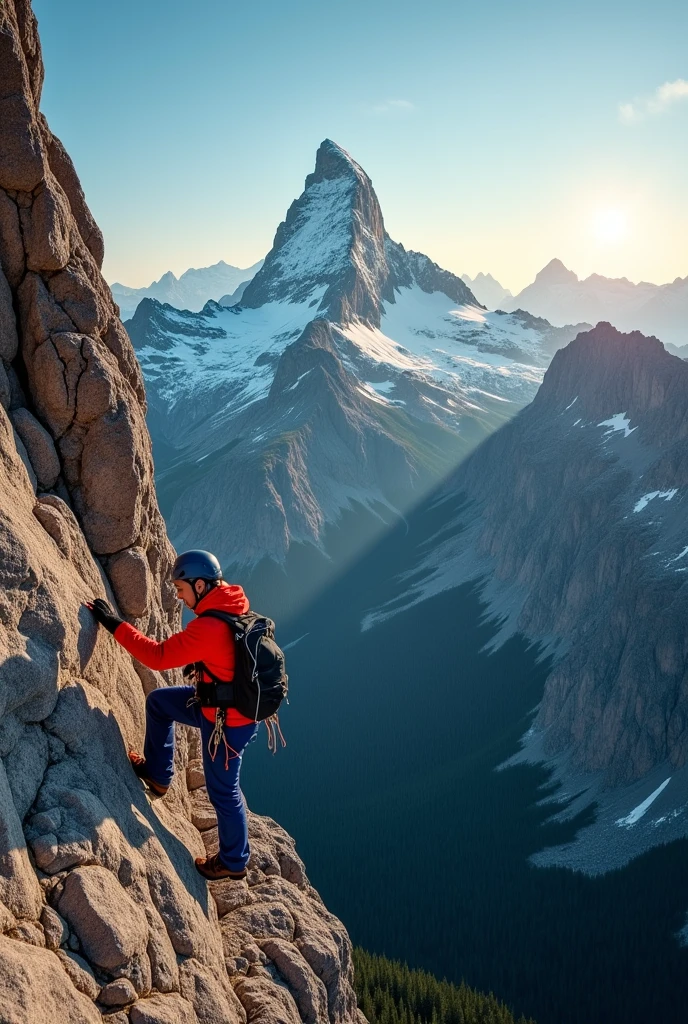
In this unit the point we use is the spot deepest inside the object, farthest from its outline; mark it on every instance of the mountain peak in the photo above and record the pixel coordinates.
(330, 248)
(331, 161)
(556, 273)
(609, 372)
(167, 278)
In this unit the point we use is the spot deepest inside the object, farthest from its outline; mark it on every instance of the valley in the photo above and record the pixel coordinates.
(390, 782)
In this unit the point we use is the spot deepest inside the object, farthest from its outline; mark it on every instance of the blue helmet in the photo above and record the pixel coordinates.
(196, 565)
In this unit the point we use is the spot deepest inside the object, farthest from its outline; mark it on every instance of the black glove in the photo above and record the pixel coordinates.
(103, 613)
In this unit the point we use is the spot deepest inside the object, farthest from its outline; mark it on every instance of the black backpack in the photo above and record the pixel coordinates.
(260, 681)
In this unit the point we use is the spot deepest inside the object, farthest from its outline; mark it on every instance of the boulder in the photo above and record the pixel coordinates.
(265, 1002)
(211, 1000)
(39, 446)
(35, 987)
(229, 894)
(308, 990)
(111, 927)
(162, 1009)
(120, 992)
(202, 811)
(131, 581)
(54, 928)
(262, 921)
(79, 973)
(46, 227)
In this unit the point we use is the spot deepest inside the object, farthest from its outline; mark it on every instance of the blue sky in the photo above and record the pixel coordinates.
(498, 135)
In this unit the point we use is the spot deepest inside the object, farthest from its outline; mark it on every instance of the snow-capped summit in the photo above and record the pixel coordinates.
(350, 370)
(331, 243)
(333, 249)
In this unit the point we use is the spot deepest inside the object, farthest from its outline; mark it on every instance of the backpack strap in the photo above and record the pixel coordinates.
(231, 620)
(207, 692)
(239, 623)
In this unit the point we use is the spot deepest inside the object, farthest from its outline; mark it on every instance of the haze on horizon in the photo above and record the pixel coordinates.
(498, 136)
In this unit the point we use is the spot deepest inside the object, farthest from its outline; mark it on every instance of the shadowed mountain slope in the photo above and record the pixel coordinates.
(577, 520)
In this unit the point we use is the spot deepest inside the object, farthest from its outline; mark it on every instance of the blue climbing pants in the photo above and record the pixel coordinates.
(171, 704)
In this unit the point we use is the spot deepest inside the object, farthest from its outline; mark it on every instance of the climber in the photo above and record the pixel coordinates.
(197, 578)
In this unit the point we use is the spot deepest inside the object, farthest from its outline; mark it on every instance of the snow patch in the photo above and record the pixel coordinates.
(651, 495)
(637, 812)
(571, 405)
(247, 335)
(322, 236)
(618, 422)
(298, 380)
(369, 391)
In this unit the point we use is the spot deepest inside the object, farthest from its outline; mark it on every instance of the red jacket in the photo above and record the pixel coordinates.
(207, 640)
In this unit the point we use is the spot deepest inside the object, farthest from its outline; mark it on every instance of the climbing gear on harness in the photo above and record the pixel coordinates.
(260, 682)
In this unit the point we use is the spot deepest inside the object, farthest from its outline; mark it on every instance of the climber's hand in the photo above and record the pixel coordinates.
(104, 614)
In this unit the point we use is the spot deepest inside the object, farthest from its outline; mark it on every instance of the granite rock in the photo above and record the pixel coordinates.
(107, 903)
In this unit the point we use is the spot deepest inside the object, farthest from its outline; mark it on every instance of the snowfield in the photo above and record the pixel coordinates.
(198, 364)
(465, 350)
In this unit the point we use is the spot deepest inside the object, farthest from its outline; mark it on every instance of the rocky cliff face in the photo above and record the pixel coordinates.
(587, 515)
(101, 910)
(576, 519)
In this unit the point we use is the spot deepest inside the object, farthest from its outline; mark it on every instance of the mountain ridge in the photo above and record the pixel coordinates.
(191, 290)
(575, 523)
(560, 296)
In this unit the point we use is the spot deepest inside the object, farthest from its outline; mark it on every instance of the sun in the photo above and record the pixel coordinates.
(610, 225)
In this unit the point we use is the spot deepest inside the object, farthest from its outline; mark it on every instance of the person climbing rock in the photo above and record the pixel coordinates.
(197, 577)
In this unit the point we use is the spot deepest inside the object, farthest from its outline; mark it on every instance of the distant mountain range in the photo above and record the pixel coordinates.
(190, 291)
(352, 371)
(559, 295)
(488, 290)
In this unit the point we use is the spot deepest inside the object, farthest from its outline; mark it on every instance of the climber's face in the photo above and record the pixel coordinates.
(189, 594)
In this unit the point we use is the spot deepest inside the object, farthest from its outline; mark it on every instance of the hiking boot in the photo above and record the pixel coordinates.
(213, 868)
(138, 763)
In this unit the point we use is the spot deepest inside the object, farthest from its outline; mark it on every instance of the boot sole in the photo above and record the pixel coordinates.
(234, 877)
